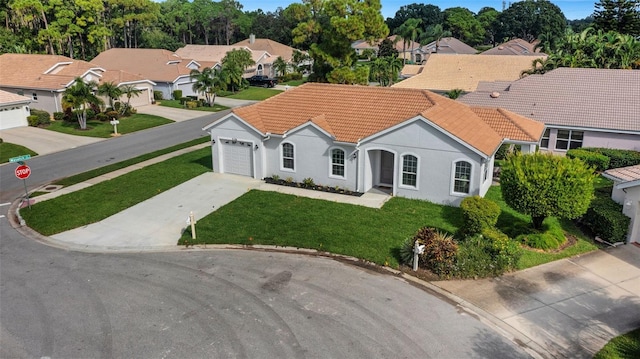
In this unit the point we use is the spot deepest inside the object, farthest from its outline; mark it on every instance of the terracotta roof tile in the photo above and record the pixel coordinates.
(449, 45)
(514, 47)
(448, 72)
(624, 174)
(272, 47)
(8, 98)
(352, 113)
(215, 53)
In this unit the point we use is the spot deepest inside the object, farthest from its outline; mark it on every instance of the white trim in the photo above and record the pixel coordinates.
(401, 171)
(592, 129)
(231, 116)
(569, 140)
(56, 66)
(136, 82)
(344, 165)
(306, 124)
(281, 158)
(452, 180)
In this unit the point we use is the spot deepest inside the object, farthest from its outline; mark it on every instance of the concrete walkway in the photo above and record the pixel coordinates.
(44, 141)
(175, 114)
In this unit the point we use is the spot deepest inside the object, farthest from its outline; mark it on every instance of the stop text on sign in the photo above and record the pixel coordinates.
(23, 172)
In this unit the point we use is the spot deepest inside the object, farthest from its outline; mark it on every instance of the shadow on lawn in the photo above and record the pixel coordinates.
(204, 161)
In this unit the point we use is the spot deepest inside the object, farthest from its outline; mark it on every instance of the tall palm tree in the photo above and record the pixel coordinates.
(111, 90)
(79, 96)
(409, 31)
(129, 91)
(280, 66)
(435, 33)
(207, 82)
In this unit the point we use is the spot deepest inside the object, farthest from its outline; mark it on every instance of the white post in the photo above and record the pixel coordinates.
(417, 250)
(192, 220)
(115, 123)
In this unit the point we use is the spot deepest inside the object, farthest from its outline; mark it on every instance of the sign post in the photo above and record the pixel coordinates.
(23, 172)
(115, 123)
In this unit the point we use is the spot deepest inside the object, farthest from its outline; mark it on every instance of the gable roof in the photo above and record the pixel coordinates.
(352, 113)
(450, 45)
(514, 47)
(572, 97)
(398, 44)
(155, 64)
(53, 72)
(8, 98)
(266, 45)
(443, 72)
(624, 177)
(215, 53)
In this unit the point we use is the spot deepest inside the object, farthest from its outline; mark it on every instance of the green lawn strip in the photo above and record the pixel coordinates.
(81, 177)
(8, 150)
(625, 346)
(272, 218)
(254, 94)
(177, 104)
(294, 82)
(510, 221)
(104, 129)
(107, 198)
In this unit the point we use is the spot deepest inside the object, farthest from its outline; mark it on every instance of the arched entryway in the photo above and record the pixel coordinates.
(381, 174)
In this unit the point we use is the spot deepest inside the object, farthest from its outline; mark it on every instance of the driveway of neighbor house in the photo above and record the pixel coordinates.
(44, 141)
(174, 114)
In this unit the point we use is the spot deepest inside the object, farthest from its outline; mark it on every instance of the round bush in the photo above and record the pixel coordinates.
(440, 254)
(478, 213)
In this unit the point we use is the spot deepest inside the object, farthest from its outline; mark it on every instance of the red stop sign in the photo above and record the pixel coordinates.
(23, 172)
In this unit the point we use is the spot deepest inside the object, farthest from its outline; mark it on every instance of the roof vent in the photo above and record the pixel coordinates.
(495, 94)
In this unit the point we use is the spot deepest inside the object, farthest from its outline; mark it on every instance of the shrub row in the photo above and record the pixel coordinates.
(177, 94)
(593, 159)
(157, 95)
(606, 220)
(291, 77)
(617, 158)
(39, 118)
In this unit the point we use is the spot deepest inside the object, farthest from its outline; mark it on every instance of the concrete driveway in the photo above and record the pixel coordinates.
(44, 141)
(174, 114)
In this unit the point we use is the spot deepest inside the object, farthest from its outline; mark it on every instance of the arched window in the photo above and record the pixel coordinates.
(260, 68)
(337, 162)
(287, 156)
(462, 177)
(409, 170)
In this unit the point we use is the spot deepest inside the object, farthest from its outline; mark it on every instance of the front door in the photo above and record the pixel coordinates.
(386, 168)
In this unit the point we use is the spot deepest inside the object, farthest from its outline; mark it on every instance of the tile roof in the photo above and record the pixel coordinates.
(272, 47)
(582, 98)
(52, 72)
(447, 72)
(352, 113)
(624, 174)
(215, 53)
(8, 98)
(514, 47)
(411, 70)
(154, 64)
(399, 45)
(450, 45)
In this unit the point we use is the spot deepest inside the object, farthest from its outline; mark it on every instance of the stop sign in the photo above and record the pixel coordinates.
(23, 172)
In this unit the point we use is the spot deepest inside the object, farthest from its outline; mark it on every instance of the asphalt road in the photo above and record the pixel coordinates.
(221, 304)
(47, 168)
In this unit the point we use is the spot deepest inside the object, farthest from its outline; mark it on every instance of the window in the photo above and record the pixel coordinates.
(260, 69)
(409, 170)
(462, 177)
(34, 96)
(287, 156)
(486, 172)
(568, 139)
(544, 143)
(337, 162)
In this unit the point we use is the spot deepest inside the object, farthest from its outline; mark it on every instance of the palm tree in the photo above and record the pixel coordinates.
(280, 66)
(207, 82)
(111, 90)
(435, 33)
(394, 66)
(409, 31)
(129, 91)
(79, 96)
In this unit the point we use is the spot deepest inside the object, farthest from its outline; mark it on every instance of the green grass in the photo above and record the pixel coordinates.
(104, 129)
(626, 346)
(176, 104)
(8, 150)
(81, 177)
(254, 94)
(107, 198)
(273, 218)
(295, 82)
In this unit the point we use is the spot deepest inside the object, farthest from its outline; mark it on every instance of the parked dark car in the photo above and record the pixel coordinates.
(261, 80)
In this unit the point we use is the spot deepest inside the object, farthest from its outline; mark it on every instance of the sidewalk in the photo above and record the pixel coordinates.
(44, 141)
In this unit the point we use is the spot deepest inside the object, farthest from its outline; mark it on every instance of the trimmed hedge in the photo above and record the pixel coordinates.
(605, 218)
(177, 94)
(478, 213)
(58, 116)
(32, 120)
(157, 95)
(594, 159)
(617, 158)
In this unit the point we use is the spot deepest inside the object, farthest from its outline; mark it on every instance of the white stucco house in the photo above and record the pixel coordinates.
(626, 191)
(14, 110)
(410, 143)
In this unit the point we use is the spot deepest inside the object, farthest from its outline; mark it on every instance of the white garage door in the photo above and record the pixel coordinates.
(11, 117)
(140, 100)
(237, 158)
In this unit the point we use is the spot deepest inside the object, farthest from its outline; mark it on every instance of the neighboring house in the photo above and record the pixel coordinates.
(14, 110)
(215, 53)
(166, 69)
(580, 107)
(450, 46)
(44, 78)
(361, 45)
(626, 191)
(442, 73)
(410, 51)
(514, 47)
(412, 143)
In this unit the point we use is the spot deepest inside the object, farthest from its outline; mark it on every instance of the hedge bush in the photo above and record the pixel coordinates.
(177, 94)
(547, 240)
(490, 254)
(44, 118)
(617, 158)
(291, 77)
(594, 159)
(440, 254)
(478, 213)
(112, 115)
(157, 95)
(33, 120)
(58, 116)
(606, 220)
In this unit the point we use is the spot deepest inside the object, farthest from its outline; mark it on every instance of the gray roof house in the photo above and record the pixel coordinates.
(580, 107)
(626, 191)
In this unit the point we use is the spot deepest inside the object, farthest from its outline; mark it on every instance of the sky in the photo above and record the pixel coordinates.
(572, 9)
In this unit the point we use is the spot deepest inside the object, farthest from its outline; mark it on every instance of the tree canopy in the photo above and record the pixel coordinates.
(622, 16)
(529, 18)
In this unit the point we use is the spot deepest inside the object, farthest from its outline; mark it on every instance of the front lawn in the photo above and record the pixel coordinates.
(254, 94)
(95, 128)
(8, 150)
(177, 104)
(622, 347)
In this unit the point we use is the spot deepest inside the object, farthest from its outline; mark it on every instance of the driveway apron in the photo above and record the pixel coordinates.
(159, 221)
